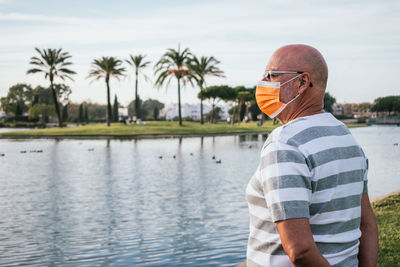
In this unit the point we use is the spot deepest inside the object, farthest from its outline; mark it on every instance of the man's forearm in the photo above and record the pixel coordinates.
(368, 249)
(298, 243)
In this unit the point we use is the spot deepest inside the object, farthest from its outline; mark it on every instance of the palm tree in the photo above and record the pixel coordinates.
(174, 64)
(244, 97)
(200, 68)
(138, 63)
(53, 63)
(107, 67)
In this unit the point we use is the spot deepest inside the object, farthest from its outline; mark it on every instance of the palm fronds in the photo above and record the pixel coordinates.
(173, 63)
(106, 67)
(53, 63)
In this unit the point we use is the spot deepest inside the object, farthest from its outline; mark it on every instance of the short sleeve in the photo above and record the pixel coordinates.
(286, 180)
(365, 178)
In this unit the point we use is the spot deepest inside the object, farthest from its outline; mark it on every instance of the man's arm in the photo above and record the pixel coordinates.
(368, 250)
(298, 243)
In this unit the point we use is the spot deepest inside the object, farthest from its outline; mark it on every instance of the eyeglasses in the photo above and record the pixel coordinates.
(270, 73)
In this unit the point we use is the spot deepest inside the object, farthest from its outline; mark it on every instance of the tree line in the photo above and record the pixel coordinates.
(38, 104)
(389, 104)
(175, 64)
(179, 64)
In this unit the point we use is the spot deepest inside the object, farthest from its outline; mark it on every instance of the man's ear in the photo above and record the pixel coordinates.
(305, 82)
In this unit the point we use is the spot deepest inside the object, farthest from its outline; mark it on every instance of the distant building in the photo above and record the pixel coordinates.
(364, 114)
(337, 109)
(123, 112)
(2, 113)
(364, 111)
(348, 109)
(354, 110)
(170, 111)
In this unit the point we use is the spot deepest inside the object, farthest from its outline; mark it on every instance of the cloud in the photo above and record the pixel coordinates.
(241, 34)
(208, 25)
(41, 18)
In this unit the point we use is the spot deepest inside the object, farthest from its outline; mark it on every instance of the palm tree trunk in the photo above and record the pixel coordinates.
(201, 106)
(247, 112)
(212, 113)
(262, 118)
(201, 111)
(233, 114)
(239, 111)
(108, 116)
(136, 97)
(56, 104)
(179, 102)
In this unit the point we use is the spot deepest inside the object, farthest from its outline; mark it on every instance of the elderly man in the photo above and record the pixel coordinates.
(308, 198)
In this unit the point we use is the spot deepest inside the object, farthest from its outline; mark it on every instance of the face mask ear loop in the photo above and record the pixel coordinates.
(291, 79)
(293, 99)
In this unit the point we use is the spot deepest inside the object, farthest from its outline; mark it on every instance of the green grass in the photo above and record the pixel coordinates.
(387, 213)
(151, 128)
(355, 125)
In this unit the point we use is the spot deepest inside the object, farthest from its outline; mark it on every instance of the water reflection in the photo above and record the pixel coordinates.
(110, 202)
(116, 203)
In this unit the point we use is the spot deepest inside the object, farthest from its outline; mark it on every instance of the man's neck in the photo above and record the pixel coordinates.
(313, 110)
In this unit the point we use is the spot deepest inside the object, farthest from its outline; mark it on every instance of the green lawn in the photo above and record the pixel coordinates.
(387, 213)
(151, 128)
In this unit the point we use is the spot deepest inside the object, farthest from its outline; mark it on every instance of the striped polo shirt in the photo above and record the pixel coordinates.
(311, 167)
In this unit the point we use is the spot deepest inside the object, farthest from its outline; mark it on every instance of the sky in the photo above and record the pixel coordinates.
(360, 40)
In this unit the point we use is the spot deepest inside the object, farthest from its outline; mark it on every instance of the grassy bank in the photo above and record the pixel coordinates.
(387, 213)
(151, 128)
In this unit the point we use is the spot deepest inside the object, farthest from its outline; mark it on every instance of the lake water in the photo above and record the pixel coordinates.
(117, 203)
(4, 130)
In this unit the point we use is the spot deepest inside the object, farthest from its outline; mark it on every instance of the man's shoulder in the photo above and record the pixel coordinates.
(299, 132)
(277, 141)
(306, 129)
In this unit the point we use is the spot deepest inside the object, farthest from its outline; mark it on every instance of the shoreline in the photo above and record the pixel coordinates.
(154, 130)
(375, 199)
(128, 137)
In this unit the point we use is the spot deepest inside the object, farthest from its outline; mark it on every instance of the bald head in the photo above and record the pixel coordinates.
(302, 58)
(309, 86)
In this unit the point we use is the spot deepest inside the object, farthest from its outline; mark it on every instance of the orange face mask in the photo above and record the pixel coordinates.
(267, 97)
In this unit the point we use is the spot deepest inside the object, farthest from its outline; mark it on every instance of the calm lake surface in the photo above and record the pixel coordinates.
(117, 203)
(4, 130)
